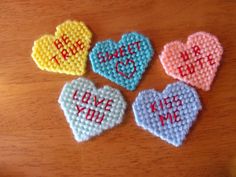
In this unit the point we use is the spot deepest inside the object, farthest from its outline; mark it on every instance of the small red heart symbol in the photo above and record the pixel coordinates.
(128, 61)
(195, 62)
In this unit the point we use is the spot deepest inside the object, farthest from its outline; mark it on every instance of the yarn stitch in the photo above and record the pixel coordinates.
(66, 52)
(90, 111)
(123, 62)
(196, 62)
(170, 114)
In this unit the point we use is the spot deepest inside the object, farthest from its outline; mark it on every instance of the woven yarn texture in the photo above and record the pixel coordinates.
(195, 62)
(90, 111)
(66, 52)
(123, 62)
(170, 114)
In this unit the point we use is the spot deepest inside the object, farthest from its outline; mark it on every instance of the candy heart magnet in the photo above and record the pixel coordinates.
(170, 114)
(90, 111)
(123, 62)
(195, 62)
(66, 52)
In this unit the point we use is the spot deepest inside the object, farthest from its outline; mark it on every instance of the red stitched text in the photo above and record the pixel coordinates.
(66, 48)
(190, 67)
(168, 103)
(92, 100)
(120, 52)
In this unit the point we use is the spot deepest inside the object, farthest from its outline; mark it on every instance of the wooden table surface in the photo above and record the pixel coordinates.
(35, 139)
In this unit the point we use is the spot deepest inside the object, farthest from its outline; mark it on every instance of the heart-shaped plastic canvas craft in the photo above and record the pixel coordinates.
(90, 111)
(123, 62)
(195, 62)
(66, 52)
(170, 114)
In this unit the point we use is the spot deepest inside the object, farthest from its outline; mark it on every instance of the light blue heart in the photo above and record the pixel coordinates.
(175, 132)
(128, 72)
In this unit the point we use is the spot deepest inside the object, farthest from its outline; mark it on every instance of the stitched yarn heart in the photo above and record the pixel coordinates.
(170, 114)
(195, 62)
(124, 62)
(66, 52)
(90, 111)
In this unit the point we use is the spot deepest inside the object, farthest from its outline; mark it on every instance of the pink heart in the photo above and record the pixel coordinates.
(195, 62)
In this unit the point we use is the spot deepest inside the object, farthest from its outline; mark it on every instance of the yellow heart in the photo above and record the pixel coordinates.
(66, 52)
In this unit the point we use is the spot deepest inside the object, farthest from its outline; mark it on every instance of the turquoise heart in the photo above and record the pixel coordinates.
(124, 62)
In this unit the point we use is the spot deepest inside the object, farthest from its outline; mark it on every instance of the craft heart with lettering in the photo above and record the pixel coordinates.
(90, 111)
(66, 52)
(123, 62)
(170, 114)
(196, 62)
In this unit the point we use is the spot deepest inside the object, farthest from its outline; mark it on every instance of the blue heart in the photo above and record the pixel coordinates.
(123, 62)
(170, 114)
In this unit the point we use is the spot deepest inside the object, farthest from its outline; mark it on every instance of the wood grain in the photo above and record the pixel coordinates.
(35, 140)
